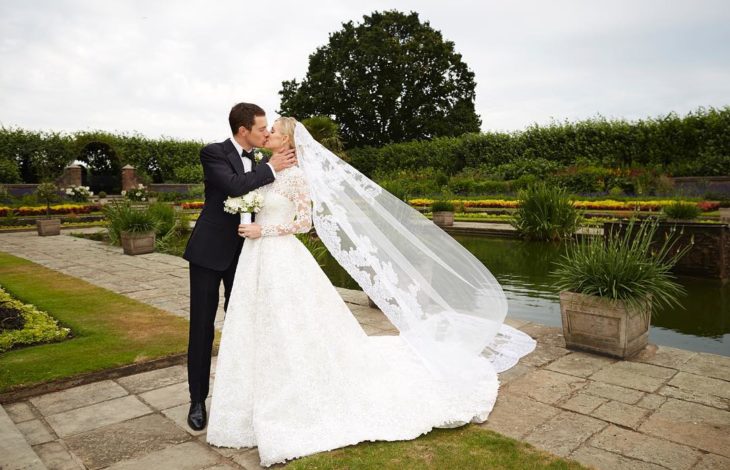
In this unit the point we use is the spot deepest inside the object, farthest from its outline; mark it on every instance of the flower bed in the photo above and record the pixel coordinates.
(55, 209)
(34, 326)
(607, 204)
(192, 205)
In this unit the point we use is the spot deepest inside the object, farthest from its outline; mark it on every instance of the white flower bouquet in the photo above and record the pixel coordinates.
(244, 205)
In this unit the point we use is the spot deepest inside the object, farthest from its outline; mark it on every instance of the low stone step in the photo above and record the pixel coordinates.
(15, 452)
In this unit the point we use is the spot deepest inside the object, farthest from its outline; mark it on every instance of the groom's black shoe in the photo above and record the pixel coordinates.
(197, 417)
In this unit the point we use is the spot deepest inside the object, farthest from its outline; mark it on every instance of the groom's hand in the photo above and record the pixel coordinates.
(249, 230)
(283, 158)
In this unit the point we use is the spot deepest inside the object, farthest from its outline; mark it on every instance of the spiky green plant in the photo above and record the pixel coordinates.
(121, 216)
(545, 212)
(682, 210)
(627, 267)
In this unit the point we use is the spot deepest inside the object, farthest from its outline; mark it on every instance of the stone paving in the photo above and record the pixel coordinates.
(666, 408)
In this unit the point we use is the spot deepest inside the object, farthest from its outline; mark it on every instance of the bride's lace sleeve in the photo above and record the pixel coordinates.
(297, 192)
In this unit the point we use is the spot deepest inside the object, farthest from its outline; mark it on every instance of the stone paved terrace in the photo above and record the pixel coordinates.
(666, 408)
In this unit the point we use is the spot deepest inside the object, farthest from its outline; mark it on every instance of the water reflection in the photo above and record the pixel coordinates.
(703, 324)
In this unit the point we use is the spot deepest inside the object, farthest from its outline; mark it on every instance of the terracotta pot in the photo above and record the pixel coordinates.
(599, 325)
(47, 227)
(443, 218)
(139, 243)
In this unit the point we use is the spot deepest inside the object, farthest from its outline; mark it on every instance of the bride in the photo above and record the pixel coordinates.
(296, 373)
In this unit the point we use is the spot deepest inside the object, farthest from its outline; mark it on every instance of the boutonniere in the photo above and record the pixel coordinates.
(258, 156)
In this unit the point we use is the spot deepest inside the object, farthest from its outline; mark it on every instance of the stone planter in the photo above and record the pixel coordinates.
(138, 243)
(443, 218)
(599, 325)
(725, 215)
(709, 256)
(47, 227)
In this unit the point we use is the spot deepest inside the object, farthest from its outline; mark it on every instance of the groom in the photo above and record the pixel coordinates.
(230, 169)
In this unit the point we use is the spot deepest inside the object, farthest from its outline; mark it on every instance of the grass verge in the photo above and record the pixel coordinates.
(469, 447)
(110, 330)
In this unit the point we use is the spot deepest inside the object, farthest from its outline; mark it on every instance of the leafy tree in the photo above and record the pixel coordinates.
(390, 79)
(326, 132)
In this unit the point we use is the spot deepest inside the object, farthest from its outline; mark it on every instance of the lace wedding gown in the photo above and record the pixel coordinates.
(297, 375)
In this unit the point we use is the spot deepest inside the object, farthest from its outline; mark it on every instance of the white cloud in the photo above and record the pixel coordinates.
(175, 68)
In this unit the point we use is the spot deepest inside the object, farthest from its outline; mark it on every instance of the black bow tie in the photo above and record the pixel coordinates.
(247, 154)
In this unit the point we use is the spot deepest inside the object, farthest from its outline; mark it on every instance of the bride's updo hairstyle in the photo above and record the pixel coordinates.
(287, 125)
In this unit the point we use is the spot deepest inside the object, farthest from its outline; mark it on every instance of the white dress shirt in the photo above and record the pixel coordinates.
(247, 163)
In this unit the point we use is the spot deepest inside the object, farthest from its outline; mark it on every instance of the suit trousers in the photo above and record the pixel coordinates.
(204, 298)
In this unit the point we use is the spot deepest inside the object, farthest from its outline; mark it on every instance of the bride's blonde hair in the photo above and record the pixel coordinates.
(287, 125)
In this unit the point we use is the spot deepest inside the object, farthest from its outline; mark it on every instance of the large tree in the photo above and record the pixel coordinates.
(390, 79)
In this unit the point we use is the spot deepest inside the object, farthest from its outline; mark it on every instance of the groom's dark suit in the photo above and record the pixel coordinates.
(213, 250)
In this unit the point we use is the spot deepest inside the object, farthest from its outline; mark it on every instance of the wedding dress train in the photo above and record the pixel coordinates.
(296, 373)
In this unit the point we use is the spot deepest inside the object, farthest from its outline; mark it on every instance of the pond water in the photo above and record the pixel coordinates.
(702, 324)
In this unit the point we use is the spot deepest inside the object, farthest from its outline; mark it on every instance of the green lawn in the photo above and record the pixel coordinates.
(109, 329)
(468, 447)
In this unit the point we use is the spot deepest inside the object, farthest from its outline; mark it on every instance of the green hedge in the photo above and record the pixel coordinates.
(30, 156)
(697, 144)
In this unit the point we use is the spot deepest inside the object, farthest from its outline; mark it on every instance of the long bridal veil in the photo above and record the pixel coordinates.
(444, 302)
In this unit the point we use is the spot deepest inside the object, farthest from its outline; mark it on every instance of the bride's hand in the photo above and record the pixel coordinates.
(249, 230)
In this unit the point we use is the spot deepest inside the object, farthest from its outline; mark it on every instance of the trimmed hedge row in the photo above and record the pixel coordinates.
(697, 144)
(29, 156)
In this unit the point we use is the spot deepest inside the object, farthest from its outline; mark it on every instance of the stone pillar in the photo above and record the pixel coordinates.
(129, 177)
(71, 176)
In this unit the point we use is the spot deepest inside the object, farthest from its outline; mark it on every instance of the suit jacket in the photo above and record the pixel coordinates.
(214, 242)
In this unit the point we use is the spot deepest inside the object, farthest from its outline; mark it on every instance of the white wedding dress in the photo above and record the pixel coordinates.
(297, 375)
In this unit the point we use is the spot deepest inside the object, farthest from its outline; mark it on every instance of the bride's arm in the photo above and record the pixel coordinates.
(299, 195)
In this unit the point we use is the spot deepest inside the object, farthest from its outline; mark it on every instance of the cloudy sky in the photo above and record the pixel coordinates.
(174, 68)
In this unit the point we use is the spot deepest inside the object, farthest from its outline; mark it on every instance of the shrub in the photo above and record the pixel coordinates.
(164, 214)
(102, 194)
(78, 193)
(491, 187)
(545, 213)
(9, 171)
(462, 185)
(682, 210)
(615, 191)
(523, 182)
(189, 174)
(138, 194)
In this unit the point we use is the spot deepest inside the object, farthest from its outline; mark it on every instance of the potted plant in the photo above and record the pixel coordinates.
(102, 197)
(443, 213)
(48, 193)
(611, 285)
(136, 229)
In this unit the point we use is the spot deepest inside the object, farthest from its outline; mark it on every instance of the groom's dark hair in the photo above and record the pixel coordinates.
(244, 114)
